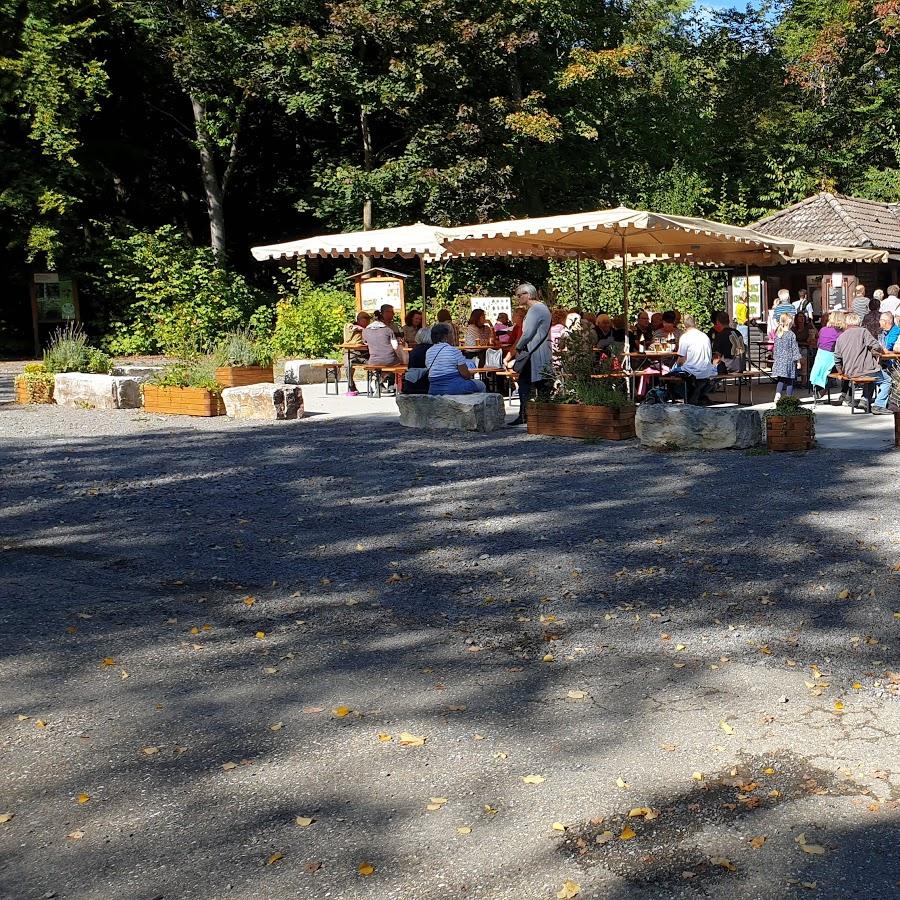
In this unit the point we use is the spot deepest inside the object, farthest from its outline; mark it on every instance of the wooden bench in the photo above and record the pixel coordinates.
(332, 371)
(741, 378)
(852, 382)
(375, 373)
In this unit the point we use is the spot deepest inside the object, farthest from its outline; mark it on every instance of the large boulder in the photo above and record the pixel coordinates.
(305, 371)
(669, 425)
(454, 412)
(264, 401)
(97, 391)
(141, 373)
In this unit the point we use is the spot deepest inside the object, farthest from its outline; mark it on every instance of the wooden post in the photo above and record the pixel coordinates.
(424, 286)
(578, 282)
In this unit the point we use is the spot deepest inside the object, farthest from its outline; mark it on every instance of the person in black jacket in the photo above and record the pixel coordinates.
(724, 344)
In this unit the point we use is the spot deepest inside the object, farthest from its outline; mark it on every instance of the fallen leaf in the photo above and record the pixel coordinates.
(680, 647)
(620, 782)
(669, 748)
(678, 665)
(500, 755)
(76, 835)
(627, 833)
(123, 674)
(83, 798)
(411, 740)
(310, 710)
(365, 869)
(6, 817)
(697, 776)
(558, 826)
(757, 842)
(843, 595)
(568, 890)
(726, 727)
(815, 849)
(548, 657)
(71, 630)
(856, 686)
(641, 812)
(575, 695)
(260, 635)
(150, 751)
(340, 712)
(40, 723)
(604, 838)
(464, 829)
(271, 670)
(490, 810)
(533, 779)
(384, 738)
(768, 771)
(21, 717)
(393, 579)
(312, 867)
(274, 859)
(838, 705)
(276, 726)
(108, 661)
(304, 821)
(725, 863)
(435, 803)
(249, 601)
(229, 766)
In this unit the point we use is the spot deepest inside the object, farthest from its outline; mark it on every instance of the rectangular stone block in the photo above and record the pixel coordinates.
(142, 374)
(305, 371)
(667, 425)
(264, 401)
(462, 412)
(97, 391)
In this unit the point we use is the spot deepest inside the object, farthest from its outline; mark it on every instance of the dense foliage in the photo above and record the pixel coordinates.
(132, 134)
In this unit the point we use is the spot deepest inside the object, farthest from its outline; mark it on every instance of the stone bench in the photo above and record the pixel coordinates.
(453, 412)
(97, 391)
(264, 401)
(306, 371)
(667, 425)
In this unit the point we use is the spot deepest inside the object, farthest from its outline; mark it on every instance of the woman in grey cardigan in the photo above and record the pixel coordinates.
(532, 358)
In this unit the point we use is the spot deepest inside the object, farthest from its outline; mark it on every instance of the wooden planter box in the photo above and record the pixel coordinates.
(24, 394)
(182, 401)
(790, 433)
(579, 421)
(239, 376)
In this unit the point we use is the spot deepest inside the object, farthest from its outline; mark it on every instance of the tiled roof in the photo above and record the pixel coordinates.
(841, 221)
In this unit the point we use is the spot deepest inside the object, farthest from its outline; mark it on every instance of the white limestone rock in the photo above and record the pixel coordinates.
(454, 412)
(665, 425)
(96, 391)
(264, 401)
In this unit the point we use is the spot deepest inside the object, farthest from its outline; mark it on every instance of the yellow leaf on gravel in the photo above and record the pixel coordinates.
(229, 766)
(6, 817)
(620, 782)
(249, 601)
(575, 695)
(150, 751)
(108, 661)
(680, 647)
(627, 833)
(725, 863)
(411, 740)
(40, 723)
(365, 869)
(639, 811)
(843, 595)
(339, 712)
(195, 630)
(697, 776)
(260, 635)
(304, 821)
(464, 829)
(83, 798)
(274, 859)
(568, 890)
(21, 717)
(838, 705)
(856, 686)
(384, 738)
(768, 771)
(558, 826)
(758, 841)
(815, 849)
(548, 657)
(726, 728)
(76, 835)
(533, 779)
(276, 726)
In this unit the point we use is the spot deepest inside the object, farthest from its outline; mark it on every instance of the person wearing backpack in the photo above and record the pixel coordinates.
(727, 343)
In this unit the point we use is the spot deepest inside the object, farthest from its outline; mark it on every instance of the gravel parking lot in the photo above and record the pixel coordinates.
(212, 633)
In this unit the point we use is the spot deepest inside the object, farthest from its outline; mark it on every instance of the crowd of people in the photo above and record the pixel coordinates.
(660, 343)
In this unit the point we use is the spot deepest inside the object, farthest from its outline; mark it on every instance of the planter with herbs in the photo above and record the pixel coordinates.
(790, 426)
(241, 359)
(582, 405)
(187, 388)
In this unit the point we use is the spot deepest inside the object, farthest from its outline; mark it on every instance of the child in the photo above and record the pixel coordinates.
(503, 329)
(785, 357)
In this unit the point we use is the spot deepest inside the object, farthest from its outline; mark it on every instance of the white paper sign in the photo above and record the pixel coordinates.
(492, 306)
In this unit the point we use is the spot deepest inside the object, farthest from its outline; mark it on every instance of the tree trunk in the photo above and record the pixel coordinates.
(215, 201)
(367, 166)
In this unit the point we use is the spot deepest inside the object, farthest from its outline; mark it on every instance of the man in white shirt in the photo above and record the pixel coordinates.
(891, 302)
(695, 358)
(802, 304)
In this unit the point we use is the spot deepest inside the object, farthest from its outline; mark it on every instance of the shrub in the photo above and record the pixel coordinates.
(789, 407)
(197, 373)
(68, 351)
(163, 292)
(34, 368)
(309, 320)
(38, 384)
(241, 348)
(576, 362)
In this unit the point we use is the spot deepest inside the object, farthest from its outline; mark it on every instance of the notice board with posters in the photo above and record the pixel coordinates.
(54, 303)
(492, 306)
(755, 294)
(379, 286)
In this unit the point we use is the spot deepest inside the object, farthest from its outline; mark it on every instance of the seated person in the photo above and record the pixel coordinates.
(387, 316)
(856, 353)
(411, 325)
(445, 318)
(605, 332)
(695, 358)
(353, 334)
(669, 333)
(620, 328)
(478, 332)
(641, 336)
(888, 332)
(449, 372)
(725, 343)
(557, 327)
(422, 340)
(385, 348)
(503, 329)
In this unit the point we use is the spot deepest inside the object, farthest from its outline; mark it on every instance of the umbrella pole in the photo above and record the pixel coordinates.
(627, 358)
(424, 287)
(578, 282)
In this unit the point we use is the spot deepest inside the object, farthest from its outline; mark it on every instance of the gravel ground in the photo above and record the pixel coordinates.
(190, 607)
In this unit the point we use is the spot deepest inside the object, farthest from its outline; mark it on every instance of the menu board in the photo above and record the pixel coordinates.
(754, 293)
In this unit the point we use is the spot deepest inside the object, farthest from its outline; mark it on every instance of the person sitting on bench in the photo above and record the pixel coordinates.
(695, 358)
(856, 355)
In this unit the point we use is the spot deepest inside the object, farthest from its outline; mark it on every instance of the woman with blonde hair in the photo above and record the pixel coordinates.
(785, 357)
(832, 326)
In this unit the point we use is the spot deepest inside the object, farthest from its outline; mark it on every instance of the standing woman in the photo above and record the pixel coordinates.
(832, 326)
(785, 357)
(532, 350)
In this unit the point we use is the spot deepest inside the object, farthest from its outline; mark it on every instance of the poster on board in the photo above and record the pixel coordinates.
(492, 306)
(375, 292)
(754, 293)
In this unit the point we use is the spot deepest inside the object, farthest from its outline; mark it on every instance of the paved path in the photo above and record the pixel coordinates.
(703, 635)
